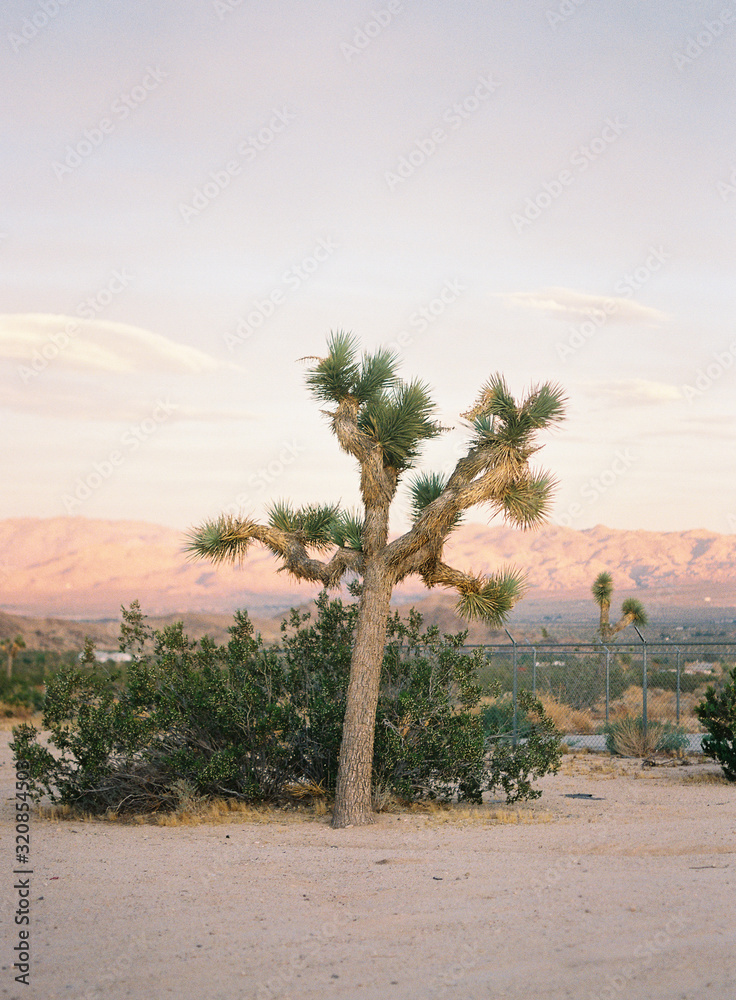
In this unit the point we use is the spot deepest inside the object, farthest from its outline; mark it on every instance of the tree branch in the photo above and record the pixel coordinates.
(228, 539)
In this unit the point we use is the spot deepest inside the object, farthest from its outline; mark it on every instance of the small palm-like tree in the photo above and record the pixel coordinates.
(632, 611)
(11, 648)
(382, 421)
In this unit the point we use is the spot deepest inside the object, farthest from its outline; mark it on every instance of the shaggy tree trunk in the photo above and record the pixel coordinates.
(353, 805)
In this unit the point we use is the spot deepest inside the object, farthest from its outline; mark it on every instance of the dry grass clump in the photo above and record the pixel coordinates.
(707, 778)
(660, 705)
(566, 718)
(212, 811)
(227, 811)
(12, 715)
(465, 814)
(627, 737)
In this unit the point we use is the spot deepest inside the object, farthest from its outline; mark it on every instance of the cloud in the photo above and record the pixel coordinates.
(96, 346)
(626, 392)
(568, 305)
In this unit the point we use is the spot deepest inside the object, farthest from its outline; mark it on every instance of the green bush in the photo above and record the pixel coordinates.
(514, 761)
(243, 721)
(717, 712)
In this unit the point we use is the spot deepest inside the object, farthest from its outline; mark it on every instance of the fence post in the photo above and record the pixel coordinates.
(514, 727)
(678, 684)
(608, 679)
(643, 686)
(534, 668)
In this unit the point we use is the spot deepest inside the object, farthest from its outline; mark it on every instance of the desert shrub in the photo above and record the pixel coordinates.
(317, 654)
(498, 718)
(538, 749)
(626, 737)
(212, 716)
(243, 721)
(428, 743)
(717, 713)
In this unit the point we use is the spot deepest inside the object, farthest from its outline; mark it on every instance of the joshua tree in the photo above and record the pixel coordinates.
(11, 648)
(381, 421)
(632, 611)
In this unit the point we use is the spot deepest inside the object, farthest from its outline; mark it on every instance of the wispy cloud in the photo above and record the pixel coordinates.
(627, 392)
(570, 306)
(96, 346)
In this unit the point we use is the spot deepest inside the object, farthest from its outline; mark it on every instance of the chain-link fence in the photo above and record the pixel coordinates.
(592, 691)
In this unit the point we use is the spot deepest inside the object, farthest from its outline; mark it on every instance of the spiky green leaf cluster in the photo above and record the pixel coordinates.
(395, 414)
(335, 376)
(527, 502)
(602, 588)
(494, 599)
(342, 374)
(347, 531)
(635, 608)
(424, 489)
(377, 375)
(399, 421)
(312, 524)
(222, 539)
(499, 420)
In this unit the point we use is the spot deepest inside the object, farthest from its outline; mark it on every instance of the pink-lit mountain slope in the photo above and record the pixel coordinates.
(82, 568)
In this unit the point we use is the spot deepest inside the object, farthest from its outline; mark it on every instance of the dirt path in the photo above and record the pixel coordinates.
(628, 893)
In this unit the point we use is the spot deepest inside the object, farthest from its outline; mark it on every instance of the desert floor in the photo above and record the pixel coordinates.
(630, 892)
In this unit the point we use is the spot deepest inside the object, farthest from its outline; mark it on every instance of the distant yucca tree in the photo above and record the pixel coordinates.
(382, 421)
(11, 648)
(632, 611)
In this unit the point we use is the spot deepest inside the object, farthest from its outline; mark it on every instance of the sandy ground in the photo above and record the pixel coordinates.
(627, 893)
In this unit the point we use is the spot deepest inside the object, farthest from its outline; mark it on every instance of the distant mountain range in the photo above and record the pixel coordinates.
(80, 568)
